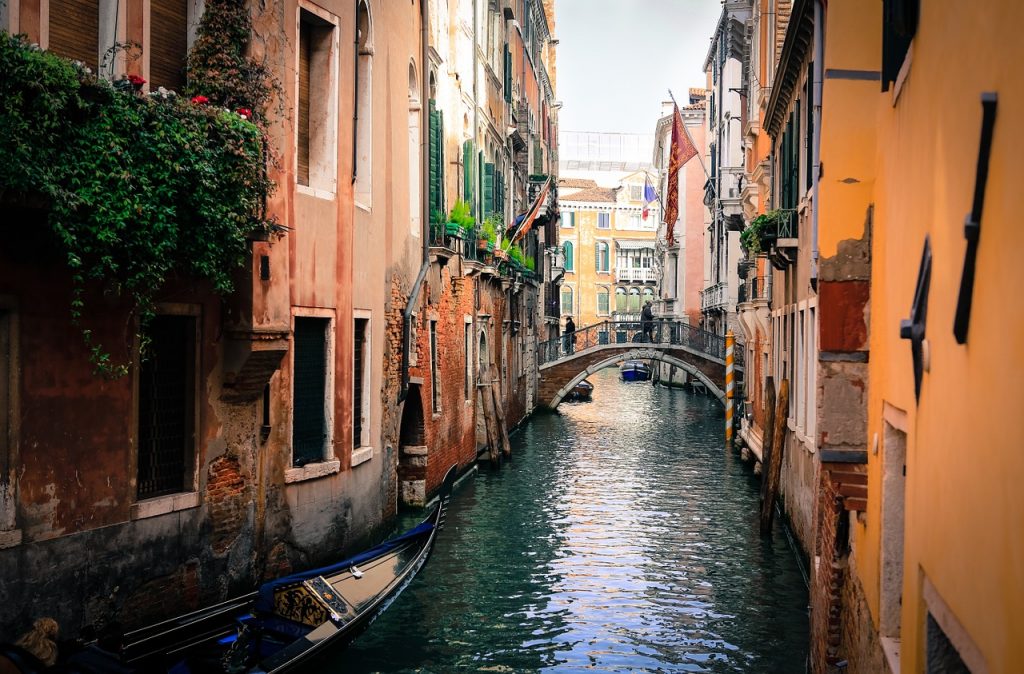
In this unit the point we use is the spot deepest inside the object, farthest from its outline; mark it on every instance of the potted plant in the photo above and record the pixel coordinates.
(760, 231)
(501, 250)
(460, 222)
(488, 233)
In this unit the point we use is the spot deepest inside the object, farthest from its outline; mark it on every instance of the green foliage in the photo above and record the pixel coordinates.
(137, 188)
(515, 253)
(752, 236)
(530, 263)
(218, 67)
(460, 216)
(490, 227)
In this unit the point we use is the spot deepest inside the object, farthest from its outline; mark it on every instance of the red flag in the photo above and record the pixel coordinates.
(646, 212)
(682, 151)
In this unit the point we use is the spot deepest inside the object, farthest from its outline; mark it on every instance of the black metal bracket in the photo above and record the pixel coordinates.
(914, 327)
(972, 224)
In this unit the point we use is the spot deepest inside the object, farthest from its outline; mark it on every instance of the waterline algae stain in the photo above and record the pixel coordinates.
(620, 539)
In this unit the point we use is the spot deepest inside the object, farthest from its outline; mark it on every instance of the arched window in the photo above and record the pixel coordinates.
(566, 300)
(648, 295)
(620, 300)
(634, 299)
(364, 110)
(415, 108)
(567, 252)
(601, 256)
(602, 302)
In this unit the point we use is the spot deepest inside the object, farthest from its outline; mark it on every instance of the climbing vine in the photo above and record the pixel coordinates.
(139, 187)
(752, 236)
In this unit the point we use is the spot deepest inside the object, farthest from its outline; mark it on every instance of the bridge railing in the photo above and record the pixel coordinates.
(631, 332)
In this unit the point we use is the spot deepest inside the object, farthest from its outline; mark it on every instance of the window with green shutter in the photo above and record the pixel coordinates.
(489, 184)
(436, 141)
(538, 157)
(508, 75)
(468, 192)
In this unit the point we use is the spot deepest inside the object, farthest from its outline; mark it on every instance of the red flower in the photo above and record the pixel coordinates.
(244, 113)
(200, 100)
(136, 80)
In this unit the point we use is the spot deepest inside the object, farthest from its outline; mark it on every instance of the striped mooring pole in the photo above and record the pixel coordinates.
(730, 342)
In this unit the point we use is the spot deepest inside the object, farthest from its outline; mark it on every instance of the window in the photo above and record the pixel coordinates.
(316, 146)
(435, 382)
(634, 299)
(310, 401)
(168, 43)
(601, 256)
(569, 219)
(602, 301)
(604, 220)
(566, 300)
(469, 174)
(567, 253)
(414, 151)
(634, 221)
(364, 107)
(635, 193)
(620, 300)
(436, 149)
(468, 346)
(167, 401)
(648, 295)
(75, 30)
(899, 24)
(361, 365)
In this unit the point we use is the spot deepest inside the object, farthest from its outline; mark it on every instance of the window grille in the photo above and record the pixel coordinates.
(167, 407)
(359, 374)
(435, 382)
(309, 395)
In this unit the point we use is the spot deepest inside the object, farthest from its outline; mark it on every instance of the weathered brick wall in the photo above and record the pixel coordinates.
(227, 498)
(859, 646)
(828, 579)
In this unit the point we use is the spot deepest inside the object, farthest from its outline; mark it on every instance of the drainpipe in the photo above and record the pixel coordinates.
(819, 57)
(414, 294)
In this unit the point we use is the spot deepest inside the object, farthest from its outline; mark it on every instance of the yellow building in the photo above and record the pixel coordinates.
(934, 557)
(608, 249)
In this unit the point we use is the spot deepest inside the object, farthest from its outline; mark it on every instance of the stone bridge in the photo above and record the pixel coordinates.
(565, 362)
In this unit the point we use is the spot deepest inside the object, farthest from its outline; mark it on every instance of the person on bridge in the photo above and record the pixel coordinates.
(647, 322)
(570, 335)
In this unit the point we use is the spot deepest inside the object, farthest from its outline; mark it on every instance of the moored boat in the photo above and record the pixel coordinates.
(581, 391)
(635, 370)
(292, 620)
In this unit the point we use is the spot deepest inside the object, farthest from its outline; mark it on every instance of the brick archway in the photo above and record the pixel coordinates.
(558, 378)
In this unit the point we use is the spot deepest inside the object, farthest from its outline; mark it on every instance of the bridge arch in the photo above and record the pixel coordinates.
(640, 353)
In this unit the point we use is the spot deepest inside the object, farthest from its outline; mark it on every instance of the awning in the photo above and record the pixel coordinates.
(634, 244)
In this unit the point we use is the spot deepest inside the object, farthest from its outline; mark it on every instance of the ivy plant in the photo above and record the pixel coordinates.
(752, 236)
(136, 188)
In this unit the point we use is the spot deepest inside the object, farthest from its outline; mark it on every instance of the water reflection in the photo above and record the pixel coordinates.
(621, 538)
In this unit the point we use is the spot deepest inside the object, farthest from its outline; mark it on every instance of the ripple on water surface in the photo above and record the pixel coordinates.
(621, 538)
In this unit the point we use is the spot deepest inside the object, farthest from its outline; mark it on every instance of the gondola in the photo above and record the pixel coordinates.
(635, 370)
(292, 620)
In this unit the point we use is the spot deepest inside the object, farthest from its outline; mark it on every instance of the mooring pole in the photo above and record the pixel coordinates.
(730, 342)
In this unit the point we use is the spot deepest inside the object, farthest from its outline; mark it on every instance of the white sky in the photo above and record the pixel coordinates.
(618, 58)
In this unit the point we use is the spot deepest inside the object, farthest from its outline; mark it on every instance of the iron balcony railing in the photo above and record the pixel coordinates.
(754, 289)
(661, 332)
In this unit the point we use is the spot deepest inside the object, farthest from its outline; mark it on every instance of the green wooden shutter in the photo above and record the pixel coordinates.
(538, 164)
(434, 150)
(467, 171)
(508, 75)
(488, 189)
(441, 200)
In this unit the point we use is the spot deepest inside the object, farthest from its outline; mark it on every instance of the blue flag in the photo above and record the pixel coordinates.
(649, 193)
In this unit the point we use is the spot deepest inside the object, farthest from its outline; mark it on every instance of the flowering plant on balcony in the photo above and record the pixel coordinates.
(489, 232)
(135, 189)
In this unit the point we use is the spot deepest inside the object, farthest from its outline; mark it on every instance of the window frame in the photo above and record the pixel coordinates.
(330, 463)
(362, 447)
(604, 216)
(323, 148)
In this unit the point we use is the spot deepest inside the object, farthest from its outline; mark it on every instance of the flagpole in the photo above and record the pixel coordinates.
(687, 132)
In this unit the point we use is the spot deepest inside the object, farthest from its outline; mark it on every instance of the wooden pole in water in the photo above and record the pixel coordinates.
(730, 343)
(766, 433)
(774, 472)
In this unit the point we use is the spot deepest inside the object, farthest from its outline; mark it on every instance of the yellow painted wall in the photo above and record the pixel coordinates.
(584, 278)
(965, 456)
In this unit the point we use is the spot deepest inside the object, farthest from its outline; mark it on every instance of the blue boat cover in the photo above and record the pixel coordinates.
(265, 600)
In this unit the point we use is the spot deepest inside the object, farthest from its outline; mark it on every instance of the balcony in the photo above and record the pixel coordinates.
(635, 275)
(556, 263)
(714, 297)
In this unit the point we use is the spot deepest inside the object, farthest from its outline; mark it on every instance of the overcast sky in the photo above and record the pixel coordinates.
(618, 58)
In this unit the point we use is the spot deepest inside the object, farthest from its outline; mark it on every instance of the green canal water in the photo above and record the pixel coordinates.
(620, 538)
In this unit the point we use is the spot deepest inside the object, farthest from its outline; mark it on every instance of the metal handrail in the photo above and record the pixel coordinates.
(662, 332)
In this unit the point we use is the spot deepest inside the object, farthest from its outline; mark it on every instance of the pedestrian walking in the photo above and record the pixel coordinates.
(570, 335)
(647, 322)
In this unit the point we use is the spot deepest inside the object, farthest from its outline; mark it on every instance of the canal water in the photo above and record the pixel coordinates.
(620, 538)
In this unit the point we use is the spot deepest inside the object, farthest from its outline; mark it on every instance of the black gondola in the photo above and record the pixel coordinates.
(291, 620)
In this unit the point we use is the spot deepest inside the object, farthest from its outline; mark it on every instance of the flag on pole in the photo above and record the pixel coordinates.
(682, 151)
(649, 193)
